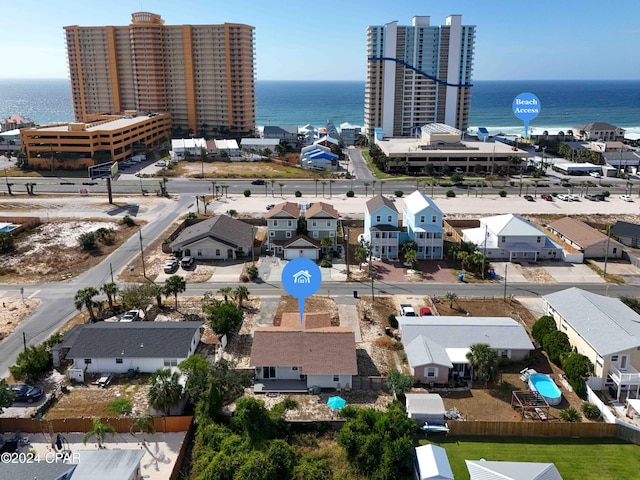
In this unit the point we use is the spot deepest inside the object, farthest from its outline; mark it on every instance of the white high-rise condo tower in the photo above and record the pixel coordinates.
(418, 74)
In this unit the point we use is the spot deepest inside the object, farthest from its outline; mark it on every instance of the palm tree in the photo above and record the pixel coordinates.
(323, 185)
(240, 294)
(373, 187)
(331, 182)
(381, 184)
(366, 188)
(174, 285)
(165, 390)
(110, 290)
(142, 425)
(225, 292)
(273, 182)
(484, 361)
(281, 185)
(100, 430)
(411, 256)
(316, 180)
(451, 296)
(157, 291)
(84, 298)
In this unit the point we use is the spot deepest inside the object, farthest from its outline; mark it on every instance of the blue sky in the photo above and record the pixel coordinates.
(326, 40)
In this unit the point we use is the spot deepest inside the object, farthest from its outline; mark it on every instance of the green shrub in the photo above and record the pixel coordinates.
(570, 415)
(326, 263)
(128, 221)
(398, 193)
(502, 193)
(350, 193)
(557, 345)
(543, 326)
(120, 406)
(590, 410)
(450, 193)
(247, 193)
(298, 193)
(88, 241)
(252, 271)
(606, 193)
(393, 321)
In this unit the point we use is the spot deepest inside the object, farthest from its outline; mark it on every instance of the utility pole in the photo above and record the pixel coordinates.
(606, 252)
(144, 271)
(24, 342)
(253, 253)
(505, 282)
(346, 253)
(111, 270)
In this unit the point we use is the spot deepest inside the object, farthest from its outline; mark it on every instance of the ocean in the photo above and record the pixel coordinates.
(563, 103)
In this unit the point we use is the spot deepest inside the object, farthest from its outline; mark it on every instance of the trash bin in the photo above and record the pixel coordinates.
(355, 294)
(492, 273)
(461, 277)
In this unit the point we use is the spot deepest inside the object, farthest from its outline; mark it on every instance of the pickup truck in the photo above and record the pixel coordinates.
(407, 310)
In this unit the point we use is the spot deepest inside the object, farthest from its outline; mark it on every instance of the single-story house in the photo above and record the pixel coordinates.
(229, 146)
(511, 237)
(590, 242)
(109, 464)
(432, 463)
(603, 329)
(437, 347)
(486, 470)
(627, 233)
(425, 407)
(255, 145)
(296, 356)
(115, 347)
(217, 238)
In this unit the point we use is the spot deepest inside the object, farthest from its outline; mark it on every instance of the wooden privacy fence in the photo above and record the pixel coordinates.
(533, 429)
(85, 424)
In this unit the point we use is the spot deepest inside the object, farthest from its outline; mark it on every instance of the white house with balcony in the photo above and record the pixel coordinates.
(381, 227)
(423, 221)
(512, 238)
(605, 330)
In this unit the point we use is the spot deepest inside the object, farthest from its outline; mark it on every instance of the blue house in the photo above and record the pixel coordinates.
(381, 227)
(423, 220)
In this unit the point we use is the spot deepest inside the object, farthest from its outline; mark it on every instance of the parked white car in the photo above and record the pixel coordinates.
(573, 197)
(564, 197)
(595, 174)
(626, 198)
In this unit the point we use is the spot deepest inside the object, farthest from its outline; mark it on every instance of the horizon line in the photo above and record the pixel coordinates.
(364, 80)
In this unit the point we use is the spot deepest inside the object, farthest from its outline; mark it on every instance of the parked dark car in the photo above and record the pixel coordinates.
(528, 198)
(258, 182)
(26, 393)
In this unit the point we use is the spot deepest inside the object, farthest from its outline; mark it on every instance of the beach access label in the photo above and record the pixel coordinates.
(526, 107)
(301, 278)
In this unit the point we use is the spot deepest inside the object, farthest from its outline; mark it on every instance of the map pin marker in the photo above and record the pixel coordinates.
(301, 278)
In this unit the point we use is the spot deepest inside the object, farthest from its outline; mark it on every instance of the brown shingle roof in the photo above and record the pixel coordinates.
(578, 232)
(288, 207)
(313, 243)
(324, 351)
(322, 210)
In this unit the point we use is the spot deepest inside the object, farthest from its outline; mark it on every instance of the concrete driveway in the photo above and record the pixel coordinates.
(513, 272)
(630, 273)
(227, 271)
(571, 272)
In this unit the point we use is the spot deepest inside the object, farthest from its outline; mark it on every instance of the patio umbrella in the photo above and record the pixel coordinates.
(336, 402)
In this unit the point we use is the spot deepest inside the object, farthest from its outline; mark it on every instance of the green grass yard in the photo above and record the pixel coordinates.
(575, 458)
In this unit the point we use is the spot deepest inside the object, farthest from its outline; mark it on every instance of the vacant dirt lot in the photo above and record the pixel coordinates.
(13, 311)
(289, 304)
(220, 169)
(93, 401)
(51, 252)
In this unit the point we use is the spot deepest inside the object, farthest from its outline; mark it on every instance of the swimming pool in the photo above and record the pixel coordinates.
(7, 227)
(546, 387)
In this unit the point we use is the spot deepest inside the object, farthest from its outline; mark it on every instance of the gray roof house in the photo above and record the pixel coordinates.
(425, 407)
(511, 237)
(115, 347)
(591, 242)
(217, 238)
(603, 329)
(627, 233)
(487, 470)
(109, 464)
(436, 347)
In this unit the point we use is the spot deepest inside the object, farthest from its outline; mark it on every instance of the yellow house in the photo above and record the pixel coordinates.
(74, 145)
(606, 331)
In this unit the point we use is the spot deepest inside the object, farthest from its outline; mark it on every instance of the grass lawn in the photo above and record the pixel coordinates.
(575, 458)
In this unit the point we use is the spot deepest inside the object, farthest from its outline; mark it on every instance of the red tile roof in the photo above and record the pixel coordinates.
(288, 207)
(322, 210)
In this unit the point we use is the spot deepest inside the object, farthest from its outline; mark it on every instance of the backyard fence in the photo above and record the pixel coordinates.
(533, 429)
(607, 415)
(85, 424)
(628, 432)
